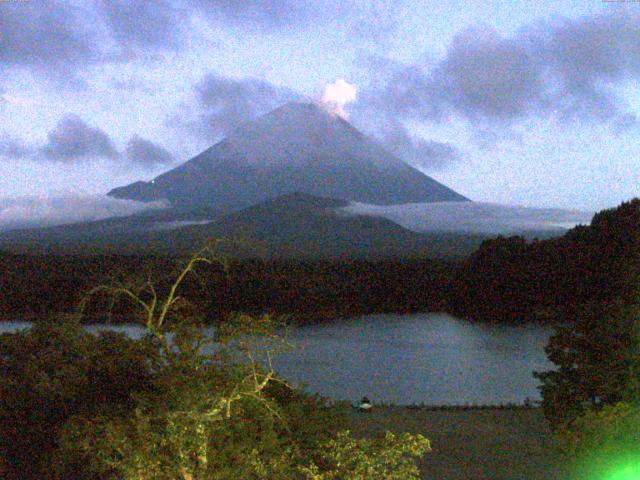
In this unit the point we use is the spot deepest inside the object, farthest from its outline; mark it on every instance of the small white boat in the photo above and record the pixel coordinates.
(364, 405)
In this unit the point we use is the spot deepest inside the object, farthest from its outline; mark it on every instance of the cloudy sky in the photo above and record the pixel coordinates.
(514, 101)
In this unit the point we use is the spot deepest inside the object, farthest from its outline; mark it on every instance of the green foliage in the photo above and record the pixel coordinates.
(205, 414)
(53, 372)
(597, 354)
(594, 358)
(211, 417)
(177, 404)
(346, 458)
(512, 280)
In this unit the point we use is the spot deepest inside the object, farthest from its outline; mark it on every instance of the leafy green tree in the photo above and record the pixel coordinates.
(52, 372)
(594, 358)
(346, 458)
(217, 409)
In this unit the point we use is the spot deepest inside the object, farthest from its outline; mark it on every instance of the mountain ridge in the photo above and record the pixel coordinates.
(296, 147)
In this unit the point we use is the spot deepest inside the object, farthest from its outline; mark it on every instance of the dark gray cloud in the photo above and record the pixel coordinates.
(368, 21)
(485, 75)
(142, 23)
(42, 33)
(587, 57)
(426, 154)
(56, 39)
(259, 13)
(568, 68)
(72, 139)
(147, 153)
(224, 103)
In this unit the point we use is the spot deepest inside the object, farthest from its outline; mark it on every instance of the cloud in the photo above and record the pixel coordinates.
(424, 154)
(587, 57)
(131, 84)
(567, 68)
(147, 153)
(338, 94)
(482, 77)
(57, 39)
(141, 23)
(42, 34)
(474, 217)
(387, 126)
(72, 139)
(259, 14)
(11, 147)
(41, 211)
(224, 103)
(485, 75)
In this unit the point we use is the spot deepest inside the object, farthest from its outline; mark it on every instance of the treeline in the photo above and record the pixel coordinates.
(39, 286)
(507, 280)
(512, 280)
(318, 290)
(36, 286)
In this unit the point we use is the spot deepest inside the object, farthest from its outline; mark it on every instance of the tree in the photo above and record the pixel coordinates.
(52, 372)
(596, 361)
(216, 409)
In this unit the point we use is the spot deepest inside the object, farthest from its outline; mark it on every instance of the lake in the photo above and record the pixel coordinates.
(432, 358)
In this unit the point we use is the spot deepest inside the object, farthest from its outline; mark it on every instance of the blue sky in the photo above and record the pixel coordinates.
(515, 102)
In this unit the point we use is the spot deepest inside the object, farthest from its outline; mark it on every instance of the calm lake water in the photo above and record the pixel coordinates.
(432, 358)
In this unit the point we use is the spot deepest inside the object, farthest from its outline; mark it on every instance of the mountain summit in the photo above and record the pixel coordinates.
(298, 147)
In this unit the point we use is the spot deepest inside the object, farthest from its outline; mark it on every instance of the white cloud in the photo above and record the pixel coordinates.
(37, 211)
(338, 94)
(474, 217)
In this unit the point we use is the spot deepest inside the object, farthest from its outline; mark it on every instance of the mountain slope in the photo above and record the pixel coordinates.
(299, 225)
(294, 225)
(295, 148)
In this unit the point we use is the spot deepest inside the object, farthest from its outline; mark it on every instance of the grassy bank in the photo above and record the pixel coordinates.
(471, 444)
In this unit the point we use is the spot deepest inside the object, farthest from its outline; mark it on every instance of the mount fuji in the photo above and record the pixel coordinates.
(298, 147)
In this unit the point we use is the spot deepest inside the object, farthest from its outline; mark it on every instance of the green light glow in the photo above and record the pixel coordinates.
(630, 471)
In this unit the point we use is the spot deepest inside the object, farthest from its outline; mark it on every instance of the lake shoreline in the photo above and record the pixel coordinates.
(445, 407)
(294, 319)
(423, 361)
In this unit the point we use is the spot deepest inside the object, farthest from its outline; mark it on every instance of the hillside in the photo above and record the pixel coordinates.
(514, 280)
(295, 225)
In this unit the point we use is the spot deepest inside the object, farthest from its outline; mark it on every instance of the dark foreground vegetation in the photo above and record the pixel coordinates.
(507, 280)
(491, 444)
(591, 398)
(74, 405)
(35, 286)
(512, 280)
